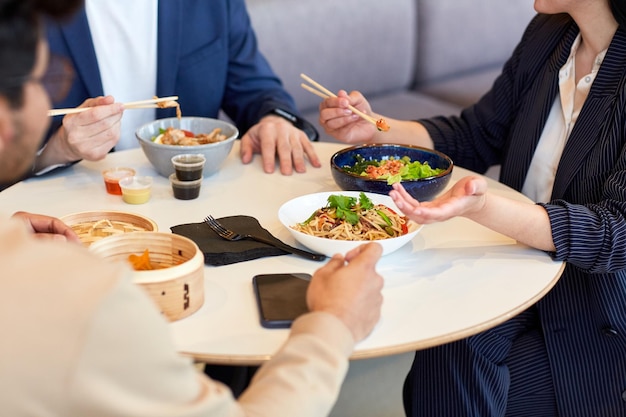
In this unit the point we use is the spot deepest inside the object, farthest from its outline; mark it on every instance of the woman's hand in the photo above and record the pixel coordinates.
(465, 197)
(526, 222)
(341, 123)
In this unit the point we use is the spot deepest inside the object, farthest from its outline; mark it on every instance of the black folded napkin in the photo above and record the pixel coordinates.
(219, 251)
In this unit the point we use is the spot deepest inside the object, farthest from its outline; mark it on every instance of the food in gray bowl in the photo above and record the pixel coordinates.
(160, 154)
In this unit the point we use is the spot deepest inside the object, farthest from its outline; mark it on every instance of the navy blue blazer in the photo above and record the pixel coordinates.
(583, 318)
(207, 56)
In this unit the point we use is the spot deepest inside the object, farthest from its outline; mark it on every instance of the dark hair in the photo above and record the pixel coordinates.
(618, 7)
(20, 31)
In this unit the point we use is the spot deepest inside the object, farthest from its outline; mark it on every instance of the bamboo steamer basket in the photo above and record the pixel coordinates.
(92, 226)
(178, 290)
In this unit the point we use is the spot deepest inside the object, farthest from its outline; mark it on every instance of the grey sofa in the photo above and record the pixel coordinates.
(411, 58)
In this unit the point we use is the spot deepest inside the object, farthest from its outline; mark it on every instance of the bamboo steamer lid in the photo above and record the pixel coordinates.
(178, 290)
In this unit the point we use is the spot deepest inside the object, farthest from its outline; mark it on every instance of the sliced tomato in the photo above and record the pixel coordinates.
(188, 133)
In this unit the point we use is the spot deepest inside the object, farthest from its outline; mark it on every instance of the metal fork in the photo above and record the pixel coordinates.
(227, 234)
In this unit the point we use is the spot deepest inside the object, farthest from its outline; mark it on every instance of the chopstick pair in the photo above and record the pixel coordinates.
(162, 103)
(323, 92)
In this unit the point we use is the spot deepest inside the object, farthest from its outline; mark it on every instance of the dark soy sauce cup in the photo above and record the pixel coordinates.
(188, 166)
(185, 190)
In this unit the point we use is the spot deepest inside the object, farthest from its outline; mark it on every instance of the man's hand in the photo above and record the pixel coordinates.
(46, 227)
(276, 137)
(350, 288)
(89, 135)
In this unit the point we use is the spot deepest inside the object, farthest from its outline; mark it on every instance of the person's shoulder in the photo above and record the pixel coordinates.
(52, 287)
(544, 34)
(52, 264)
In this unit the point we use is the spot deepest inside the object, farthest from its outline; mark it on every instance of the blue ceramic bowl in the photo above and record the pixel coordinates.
(422, 189)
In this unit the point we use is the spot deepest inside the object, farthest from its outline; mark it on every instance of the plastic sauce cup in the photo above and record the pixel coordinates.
(188, 166)
(185, 190)
(113, 176)
(136, 190)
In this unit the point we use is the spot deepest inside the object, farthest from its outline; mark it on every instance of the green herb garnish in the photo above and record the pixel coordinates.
(311, 217)
(343, 205)
(346, 208)
(384, 217)
(365, 202)
(360, 165)
(161, 131)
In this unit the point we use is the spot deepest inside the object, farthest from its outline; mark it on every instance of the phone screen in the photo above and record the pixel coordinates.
(281, 298)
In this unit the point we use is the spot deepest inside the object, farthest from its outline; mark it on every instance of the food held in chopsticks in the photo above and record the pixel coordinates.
(170, 103)
(321, 91)
(181, 137)
(157, 103)
(392, 169)
(346, 218)
(381, 124)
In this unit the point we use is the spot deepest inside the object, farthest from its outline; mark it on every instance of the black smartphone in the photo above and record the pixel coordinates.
(281, 298)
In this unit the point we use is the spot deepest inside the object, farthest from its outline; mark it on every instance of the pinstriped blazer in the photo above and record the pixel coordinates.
(584, 317)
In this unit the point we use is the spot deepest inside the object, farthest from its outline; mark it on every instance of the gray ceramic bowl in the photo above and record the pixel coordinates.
(160, 156)
(423, 189)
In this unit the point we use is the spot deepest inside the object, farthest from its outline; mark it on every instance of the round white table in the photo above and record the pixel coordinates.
(454, 279)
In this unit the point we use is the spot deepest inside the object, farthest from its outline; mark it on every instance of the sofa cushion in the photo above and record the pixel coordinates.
(463, 37)
(463, 89)
(360, 45)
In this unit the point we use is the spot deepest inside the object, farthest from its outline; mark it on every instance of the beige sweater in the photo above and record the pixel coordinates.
(77, 338)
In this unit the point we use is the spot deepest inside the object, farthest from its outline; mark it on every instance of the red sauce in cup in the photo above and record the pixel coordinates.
(112, 179)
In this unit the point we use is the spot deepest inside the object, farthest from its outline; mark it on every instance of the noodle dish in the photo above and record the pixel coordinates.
(336, 222)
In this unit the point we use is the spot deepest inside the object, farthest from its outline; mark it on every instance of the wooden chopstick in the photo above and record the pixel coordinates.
(323, 92)
(60, 112)
(141, 104)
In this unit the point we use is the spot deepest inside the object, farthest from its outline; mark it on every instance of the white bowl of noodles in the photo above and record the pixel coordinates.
(297, 211)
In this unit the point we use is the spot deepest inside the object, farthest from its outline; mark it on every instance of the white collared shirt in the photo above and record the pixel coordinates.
(561, 120)
(124, 34)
